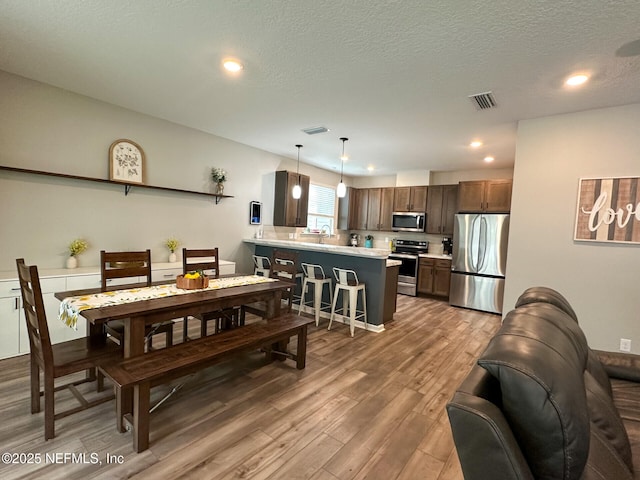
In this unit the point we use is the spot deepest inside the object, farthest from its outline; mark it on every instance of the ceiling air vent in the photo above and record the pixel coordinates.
(483, 101)
(314, 130)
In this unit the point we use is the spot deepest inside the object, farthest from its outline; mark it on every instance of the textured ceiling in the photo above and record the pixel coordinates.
(393, 76)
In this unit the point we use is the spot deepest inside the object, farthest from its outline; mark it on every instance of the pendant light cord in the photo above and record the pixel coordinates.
(344, 139)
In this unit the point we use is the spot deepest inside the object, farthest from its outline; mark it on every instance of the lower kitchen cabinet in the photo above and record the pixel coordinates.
(434, 276)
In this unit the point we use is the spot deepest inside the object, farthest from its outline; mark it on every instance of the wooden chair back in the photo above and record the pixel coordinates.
(280, 258)
(125, 265)
(205, 259)
(35, 316)
(284, 271)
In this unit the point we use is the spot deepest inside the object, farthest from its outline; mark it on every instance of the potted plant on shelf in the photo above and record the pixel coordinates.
(219, 176)
(172, 244)
(76, 247)
(368, 241)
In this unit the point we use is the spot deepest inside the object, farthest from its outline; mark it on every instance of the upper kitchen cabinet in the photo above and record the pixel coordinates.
(410, 199)
(492, 196)
(380, 209)
(442, 203)
(359, 207)
(369, 208)
(288, 211)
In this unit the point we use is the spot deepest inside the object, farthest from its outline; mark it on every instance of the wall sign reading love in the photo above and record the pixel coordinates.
(608, 210)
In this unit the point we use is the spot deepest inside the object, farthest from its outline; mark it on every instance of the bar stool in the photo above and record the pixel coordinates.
(314, 275)
(347, 281)
(262, 265)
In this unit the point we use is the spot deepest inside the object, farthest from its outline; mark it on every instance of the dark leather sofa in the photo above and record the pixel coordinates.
(540, 404)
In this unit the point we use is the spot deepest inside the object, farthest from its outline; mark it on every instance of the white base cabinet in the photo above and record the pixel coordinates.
(14, 339)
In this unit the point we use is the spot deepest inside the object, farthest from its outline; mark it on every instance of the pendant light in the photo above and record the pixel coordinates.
(297, 189)
(341, 190)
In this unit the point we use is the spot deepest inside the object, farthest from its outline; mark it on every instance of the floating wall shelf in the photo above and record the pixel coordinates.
(127, 186)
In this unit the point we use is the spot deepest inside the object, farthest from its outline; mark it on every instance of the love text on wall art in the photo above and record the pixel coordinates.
(608, 210)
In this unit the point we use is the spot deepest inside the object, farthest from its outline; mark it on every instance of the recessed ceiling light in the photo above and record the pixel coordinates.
(232, 65)
(371, 168)
(575, 80)
(489, 159)
(475, 144)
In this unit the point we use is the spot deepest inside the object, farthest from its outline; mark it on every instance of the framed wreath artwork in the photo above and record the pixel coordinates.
(126, 162)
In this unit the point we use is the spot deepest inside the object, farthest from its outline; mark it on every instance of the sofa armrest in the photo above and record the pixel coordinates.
(624, 366)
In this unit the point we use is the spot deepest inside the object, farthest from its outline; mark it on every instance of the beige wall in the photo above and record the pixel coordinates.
(45, 128)
(601, 280)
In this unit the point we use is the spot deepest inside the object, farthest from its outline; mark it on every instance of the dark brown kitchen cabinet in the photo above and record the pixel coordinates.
(288, 211)
(359, 209)
(370, 208)
(380, 209)
(442, 203)
(434, 276)
(410, 199)
(485, 196)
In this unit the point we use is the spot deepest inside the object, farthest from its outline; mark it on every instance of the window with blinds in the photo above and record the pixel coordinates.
(322, 208)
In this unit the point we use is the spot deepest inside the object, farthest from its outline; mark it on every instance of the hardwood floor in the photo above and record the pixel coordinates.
(365, 407)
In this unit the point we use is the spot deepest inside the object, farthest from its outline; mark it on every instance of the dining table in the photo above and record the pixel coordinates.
(139, 313)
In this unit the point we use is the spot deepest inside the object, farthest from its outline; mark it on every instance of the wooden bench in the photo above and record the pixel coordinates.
(161, 366)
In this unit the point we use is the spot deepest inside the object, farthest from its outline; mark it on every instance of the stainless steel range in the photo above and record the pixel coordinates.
(407, 252)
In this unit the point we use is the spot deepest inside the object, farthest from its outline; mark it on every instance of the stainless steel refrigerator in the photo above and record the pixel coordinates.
(479, 261)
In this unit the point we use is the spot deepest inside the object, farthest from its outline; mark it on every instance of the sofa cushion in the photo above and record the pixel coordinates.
(546, 295)
(540, 371)
(605, 417)
(552, 314)
(604, 463)
(569, 326)
(484, 440)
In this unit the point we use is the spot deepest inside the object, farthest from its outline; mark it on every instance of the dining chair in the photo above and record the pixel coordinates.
(207, 261)
(60, 359)
(285, 257)
(134, 266)
(284, 266)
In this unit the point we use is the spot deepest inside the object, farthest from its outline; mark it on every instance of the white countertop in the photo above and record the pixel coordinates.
(435, 255)
(378, 253)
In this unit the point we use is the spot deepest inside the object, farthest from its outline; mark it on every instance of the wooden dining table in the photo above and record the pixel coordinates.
(138, 314)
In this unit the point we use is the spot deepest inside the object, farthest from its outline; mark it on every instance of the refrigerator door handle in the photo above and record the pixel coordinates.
(482, 251)
(474, 243)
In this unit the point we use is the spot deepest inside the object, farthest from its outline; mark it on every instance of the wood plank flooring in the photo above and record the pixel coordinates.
(369, 407)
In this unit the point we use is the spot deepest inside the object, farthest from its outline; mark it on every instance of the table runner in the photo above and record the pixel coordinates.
(71, 307)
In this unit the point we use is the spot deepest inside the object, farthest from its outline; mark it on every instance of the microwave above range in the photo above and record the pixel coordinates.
(409, 221)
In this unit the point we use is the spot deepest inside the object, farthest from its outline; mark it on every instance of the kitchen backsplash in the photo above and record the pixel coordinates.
(342, 237)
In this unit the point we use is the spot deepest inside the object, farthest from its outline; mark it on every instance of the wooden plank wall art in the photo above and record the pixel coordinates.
(608, 210)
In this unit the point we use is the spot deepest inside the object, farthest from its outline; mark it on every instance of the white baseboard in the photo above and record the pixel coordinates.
(342, 319)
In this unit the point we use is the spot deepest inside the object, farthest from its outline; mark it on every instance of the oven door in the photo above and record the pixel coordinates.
(408, 275)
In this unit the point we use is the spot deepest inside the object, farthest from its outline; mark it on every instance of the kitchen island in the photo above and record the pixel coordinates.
(372, 266)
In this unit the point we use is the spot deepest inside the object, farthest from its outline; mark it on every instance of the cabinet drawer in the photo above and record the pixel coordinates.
(443, 263)
(427, 262)
(53, 285)
(94, 281)
(83, 281)
(9, 288)
(165, 274)
(227, 267)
